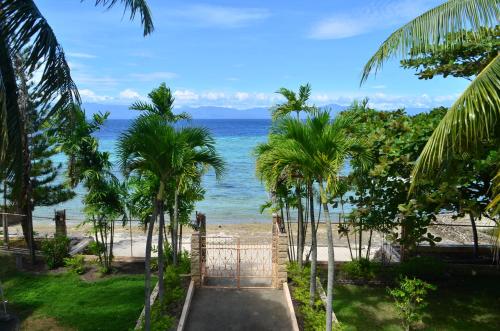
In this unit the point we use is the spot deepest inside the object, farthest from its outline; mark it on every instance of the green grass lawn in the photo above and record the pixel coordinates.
(466, 304)
(113, 303)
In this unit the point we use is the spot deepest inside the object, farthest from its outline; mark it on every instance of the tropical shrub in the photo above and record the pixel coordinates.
(423, 267)
(361, 269)
(313, 317)
(55, 250)
(409, 299)
(76, 264)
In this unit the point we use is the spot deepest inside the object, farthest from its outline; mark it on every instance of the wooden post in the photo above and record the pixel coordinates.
(60, 219)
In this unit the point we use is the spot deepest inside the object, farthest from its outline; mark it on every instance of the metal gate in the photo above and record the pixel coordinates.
(231, 262)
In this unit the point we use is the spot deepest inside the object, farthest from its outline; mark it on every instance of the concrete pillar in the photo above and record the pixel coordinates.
(195, 259)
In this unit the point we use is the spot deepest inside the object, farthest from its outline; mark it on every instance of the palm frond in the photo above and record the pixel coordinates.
(428, 30)
(135, 6)
(23, 25)
(472, 118)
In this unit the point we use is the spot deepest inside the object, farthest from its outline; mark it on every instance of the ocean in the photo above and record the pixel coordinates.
(236, 198)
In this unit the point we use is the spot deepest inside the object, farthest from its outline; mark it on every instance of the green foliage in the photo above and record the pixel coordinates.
(76, 264)
(96, 248)
(314, 317)
(474, 51)
(55, 250)
(394, 140)
(410, 299)
(361, 269)
(422, 267)
(175, 292)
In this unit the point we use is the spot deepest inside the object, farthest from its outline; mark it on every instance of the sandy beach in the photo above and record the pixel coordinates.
(131, 241)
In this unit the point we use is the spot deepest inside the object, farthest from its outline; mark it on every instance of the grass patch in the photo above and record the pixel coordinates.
(465, 303)
(113, 303)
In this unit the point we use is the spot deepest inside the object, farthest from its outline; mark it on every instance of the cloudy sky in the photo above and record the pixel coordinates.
(237, 53)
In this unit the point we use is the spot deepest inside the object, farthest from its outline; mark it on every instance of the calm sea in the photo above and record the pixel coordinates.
(234, 199)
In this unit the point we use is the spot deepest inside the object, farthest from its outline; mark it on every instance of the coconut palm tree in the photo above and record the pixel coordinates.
(162, 103)
(152, 147)
(22, 26)
(474, 116)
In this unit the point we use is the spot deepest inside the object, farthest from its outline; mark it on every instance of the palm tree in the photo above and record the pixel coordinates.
(318, 148)
(295, 102)
(152, 147)
(474, 117)
(196, 156)
(162, 103)
(23, 26)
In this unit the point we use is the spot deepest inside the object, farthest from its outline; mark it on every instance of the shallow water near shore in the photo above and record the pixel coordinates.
(236, 198)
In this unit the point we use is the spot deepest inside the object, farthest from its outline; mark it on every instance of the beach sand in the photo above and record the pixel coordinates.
(260, 233)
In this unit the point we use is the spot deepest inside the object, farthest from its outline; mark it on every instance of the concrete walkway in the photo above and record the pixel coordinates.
(232, 309)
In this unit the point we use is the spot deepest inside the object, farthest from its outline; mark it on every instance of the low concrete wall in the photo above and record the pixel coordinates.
(290, 310)
(185, 308)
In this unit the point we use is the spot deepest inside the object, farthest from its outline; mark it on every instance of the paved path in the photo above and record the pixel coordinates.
(242, 310)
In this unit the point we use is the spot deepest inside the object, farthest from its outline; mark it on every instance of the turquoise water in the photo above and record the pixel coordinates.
(234, 199)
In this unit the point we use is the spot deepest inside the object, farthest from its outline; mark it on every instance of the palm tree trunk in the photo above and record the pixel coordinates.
(331, 260)
(147, 266)
(176, 225)
(300, 227)
(314, 250)
(180, 239)
(161, 256)
(474, 236)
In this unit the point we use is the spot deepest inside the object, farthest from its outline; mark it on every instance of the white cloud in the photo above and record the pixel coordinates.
(90, 96)
(154, 76)
(213, 95)
(219, 16)
(373, 15)
(240, 96)
(81, 55)
(185, 95)
(129, 94)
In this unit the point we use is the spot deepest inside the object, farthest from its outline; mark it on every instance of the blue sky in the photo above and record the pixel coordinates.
(237, 53)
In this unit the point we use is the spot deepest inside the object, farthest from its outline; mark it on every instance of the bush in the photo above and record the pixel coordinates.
(76, 264)
(422, 267)
(361, 269)
(410, 299)
(55, 250)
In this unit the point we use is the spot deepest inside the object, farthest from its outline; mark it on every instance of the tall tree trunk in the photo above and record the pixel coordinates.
(176, 225)
(16, 137)
(291, 246)
(300, 227)
(360, 247)
(147, 266)
(161, 256)
(180, 239)
(314, 249)
(331, 260)
(369, 245)
(474, 236)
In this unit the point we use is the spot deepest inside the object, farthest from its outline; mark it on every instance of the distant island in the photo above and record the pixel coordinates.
(210, 112)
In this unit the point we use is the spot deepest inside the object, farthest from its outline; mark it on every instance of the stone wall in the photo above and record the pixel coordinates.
(280, 253)
(195, 258)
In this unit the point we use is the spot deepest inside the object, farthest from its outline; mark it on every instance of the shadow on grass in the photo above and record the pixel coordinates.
(113, 303)
(365, 308)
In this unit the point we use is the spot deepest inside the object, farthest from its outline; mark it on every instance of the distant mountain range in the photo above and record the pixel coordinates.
(209, 112)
